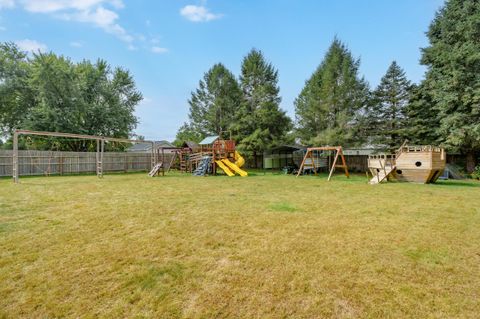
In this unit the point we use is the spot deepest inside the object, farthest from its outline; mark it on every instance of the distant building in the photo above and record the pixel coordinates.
(147, 147)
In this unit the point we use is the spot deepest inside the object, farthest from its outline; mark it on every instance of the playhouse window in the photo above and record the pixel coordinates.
(399, 171)
(418, 164)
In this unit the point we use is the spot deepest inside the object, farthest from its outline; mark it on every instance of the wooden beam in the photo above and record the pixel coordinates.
(82, 136)
(15, 157)
(102, 149)
(333, 165)
(313, 164)
(97, 157)
(344, 163)
(303, 163)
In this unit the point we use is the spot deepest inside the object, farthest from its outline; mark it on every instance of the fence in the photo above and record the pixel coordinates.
(59, 163)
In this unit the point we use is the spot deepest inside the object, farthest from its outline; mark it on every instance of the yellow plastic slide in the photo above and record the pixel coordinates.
(224, 168)
(239, 160)
(235, 168)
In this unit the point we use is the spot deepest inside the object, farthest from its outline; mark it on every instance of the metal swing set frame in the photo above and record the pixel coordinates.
(99, 152)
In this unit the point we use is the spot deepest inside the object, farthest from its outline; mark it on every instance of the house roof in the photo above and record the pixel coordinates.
(143, 147)
(209, 140)
(190, 144)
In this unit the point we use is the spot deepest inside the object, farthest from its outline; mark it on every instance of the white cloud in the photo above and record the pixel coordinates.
(31, 45)
(93, 12)
(198, 13)
(101, 14)
(102, 18)
(51, 6)
(76, 44)
(7, 4)
(159, 50)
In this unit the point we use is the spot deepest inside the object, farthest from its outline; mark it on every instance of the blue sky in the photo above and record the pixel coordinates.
(169, 45)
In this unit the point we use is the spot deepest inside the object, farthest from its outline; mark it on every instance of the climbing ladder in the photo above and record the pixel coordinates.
(99, 157)
(381, 166)
(202, 168)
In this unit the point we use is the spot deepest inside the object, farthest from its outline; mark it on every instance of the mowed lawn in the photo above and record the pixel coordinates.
(265, 246)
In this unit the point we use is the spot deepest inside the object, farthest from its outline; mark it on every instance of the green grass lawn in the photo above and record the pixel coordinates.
(265, 246)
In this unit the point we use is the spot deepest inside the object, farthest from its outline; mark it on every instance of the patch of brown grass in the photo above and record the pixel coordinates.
(268, 246)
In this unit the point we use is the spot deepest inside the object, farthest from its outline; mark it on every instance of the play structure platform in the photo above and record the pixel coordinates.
(214, 154)
(415, 164)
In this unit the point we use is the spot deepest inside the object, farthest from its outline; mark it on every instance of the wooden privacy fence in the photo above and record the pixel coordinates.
(58, 163)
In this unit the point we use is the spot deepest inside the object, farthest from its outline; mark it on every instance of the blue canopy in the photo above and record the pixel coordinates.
(208, 140)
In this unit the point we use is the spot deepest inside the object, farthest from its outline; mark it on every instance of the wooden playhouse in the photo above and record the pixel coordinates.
(416, 164)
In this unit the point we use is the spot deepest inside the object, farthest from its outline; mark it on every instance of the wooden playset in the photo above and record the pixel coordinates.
(311, 162)
(416, 164)
(211, 154)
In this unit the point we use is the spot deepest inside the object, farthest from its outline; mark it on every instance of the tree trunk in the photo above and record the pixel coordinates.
(471, 161)
(255, 159)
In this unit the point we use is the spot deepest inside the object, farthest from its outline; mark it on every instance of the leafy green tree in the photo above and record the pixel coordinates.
(214, 103)
(260, 123)
(16, 97)
(51, 93)
(453, 75)
(387, 117)
(329, 108)
(81, 98)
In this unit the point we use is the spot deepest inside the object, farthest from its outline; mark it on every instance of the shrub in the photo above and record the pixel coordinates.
(476, 172)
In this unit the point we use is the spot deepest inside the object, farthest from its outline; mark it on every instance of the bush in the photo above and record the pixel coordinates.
(476, 172)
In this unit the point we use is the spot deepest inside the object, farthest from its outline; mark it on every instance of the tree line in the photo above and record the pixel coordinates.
(337, 106)
(49, 92)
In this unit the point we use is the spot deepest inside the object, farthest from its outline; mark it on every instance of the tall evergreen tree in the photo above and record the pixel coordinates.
(261, 123)
(387, 116)
(453, 75)
(328, 108)
(422, 120)
(214, 103)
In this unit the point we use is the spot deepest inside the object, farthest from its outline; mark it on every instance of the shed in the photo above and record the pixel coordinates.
(190, 145)
(283, 155)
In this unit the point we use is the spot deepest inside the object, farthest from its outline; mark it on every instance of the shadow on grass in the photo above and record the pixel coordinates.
(458, 183)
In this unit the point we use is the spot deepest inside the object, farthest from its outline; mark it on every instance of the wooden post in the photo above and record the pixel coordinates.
(154, 159)
(344, 163)
(97, 159)
(313, 163)
(102, 149)
(15, 157)
(332, 169)
(60, 160)
(303, 163)
(163, 162)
